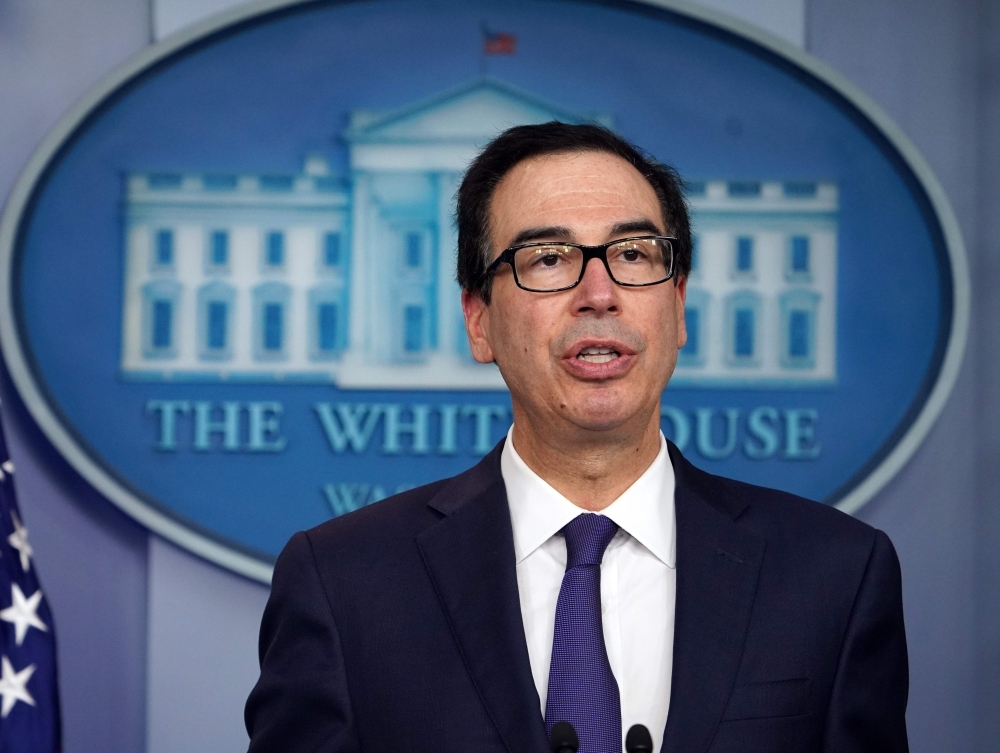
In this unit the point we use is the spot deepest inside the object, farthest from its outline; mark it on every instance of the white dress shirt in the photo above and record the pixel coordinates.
(638, 581)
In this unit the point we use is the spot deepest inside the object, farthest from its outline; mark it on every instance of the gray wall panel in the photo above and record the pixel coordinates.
(987, 364)
(918, 59)
(91, 558)
(203, 625)
(932, 65)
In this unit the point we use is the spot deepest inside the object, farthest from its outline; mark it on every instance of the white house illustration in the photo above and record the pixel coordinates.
(762, 295)
(350, 279)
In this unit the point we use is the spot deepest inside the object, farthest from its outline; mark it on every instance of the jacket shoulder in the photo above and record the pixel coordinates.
(395, 520)
(775, 514)
(401, 515)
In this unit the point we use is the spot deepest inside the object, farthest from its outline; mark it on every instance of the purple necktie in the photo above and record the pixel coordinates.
(582, 689)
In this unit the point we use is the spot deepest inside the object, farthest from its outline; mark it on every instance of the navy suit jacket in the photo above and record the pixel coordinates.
(398, 628)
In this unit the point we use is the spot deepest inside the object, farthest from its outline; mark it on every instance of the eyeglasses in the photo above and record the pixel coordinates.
(551, 267)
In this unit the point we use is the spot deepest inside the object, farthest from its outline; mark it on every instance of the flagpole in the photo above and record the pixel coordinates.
(483, 57)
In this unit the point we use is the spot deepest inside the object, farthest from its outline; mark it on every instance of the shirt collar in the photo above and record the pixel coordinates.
(538, 512)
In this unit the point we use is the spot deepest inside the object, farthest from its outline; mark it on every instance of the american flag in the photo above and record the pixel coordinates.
(29, 695)
(498, 43)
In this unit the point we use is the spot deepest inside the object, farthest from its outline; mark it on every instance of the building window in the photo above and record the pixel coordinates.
(744, 189)
(215, 307)
(692, 319)
(744, 254)
(219, 182)
(331, 249)
(276, 182)
(326, 326)
(798, 334)
(801, 189)
(414, 249)
(219, 249)
(743, 329)
(163, 181)
(696, 323)
(798, 322)
(743, 339)
(798, 259)
(800, 254)
(218, 315)
(327, 330)
(271, 303)
(413, 329)
(273, 326)
(163, 324)
(163, 253)
(160, 309)
(275, 250)
(694, 188)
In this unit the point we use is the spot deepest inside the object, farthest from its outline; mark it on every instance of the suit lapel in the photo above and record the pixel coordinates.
(470, 557)
(717, 567)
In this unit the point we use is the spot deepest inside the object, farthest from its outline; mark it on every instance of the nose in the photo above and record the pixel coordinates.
(597, 293)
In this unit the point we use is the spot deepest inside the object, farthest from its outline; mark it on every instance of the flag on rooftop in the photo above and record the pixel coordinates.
(29, 695)
(498, 43)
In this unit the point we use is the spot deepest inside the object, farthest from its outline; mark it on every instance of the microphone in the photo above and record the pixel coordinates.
(563, 738)
(638, 740)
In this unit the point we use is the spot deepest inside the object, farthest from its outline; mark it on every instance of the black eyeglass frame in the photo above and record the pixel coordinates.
(589, 252)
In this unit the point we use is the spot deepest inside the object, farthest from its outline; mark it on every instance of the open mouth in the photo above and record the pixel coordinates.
(597, 355)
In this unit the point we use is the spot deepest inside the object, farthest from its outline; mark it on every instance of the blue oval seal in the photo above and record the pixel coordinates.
(228, 292)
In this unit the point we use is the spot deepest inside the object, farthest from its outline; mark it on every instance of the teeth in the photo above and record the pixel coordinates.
(598, 355)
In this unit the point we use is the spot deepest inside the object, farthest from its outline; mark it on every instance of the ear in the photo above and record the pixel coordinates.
(477, 326)
(680, 295)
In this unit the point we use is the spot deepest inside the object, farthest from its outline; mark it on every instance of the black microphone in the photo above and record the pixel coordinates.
(563, 738)
(638, 740)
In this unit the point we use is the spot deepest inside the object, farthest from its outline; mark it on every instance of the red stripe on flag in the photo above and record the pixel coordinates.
(500, 44)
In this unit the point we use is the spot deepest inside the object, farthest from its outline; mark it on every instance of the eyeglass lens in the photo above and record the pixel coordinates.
(552, 266)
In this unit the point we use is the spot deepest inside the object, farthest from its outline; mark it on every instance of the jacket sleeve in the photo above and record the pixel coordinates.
(301, 701)
(867, 710)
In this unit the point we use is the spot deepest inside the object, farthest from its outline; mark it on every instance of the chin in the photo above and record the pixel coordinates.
(606, 413)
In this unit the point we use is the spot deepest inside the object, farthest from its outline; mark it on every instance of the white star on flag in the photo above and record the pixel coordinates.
(12, 686)
(6, 469)
(19, 540)
(23, 613)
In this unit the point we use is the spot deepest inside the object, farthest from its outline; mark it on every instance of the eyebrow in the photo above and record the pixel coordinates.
(551, 233)
(636, 226)
(559, 233)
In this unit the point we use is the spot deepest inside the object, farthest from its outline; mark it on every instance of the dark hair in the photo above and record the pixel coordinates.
(515, 145)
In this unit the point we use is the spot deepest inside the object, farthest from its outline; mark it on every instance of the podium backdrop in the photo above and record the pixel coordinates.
(231, 311)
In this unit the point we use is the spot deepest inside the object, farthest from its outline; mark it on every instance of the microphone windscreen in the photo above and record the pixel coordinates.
(638, 740)
(563, 738)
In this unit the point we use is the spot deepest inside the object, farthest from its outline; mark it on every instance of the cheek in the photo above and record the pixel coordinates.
(664, 329)
(509, 328)
(524, 334)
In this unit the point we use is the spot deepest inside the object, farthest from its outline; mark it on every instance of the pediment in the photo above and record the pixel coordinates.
(473, 113)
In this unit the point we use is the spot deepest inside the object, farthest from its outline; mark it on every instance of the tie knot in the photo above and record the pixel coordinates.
(587, 536)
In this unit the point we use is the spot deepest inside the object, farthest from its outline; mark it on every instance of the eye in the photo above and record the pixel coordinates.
(628, 253)
(549, 256)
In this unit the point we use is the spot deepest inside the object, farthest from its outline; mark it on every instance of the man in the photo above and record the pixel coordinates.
(584, 571)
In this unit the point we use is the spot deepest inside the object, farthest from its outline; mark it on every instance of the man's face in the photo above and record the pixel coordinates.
(597, 356)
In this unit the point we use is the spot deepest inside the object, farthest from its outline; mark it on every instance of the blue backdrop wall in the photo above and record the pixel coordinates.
(157, 648)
